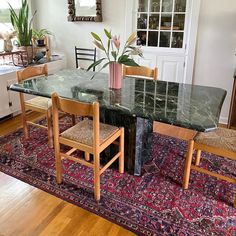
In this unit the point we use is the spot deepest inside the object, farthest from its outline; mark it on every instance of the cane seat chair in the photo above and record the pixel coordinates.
(88, 135)
(38, 104)
(221, 142)
(140, 71)
(85, 54)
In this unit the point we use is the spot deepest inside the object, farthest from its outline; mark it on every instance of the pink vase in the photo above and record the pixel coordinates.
(115, 75)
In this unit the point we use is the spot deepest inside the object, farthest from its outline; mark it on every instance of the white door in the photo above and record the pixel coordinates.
(167, 31)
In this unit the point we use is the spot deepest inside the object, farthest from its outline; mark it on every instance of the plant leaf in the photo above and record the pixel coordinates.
(108, 46)
(96, 63)
(106, 64)
(96, 37)
(99, 45)
(123, 58)
(21, 23)
(114, 54)
(129, 62)
(131, 38)
(108, 34)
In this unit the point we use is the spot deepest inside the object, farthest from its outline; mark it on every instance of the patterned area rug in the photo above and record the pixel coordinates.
(154, 204)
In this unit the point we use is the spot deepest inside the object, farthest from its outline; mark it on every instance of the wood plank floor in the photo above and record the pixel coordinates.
(25, 210)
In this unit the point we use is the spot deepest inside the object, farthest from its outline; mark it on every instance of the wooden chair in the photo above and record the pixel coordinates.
(221, 142)
(85, 54)
(141, 71)
(88, 135)
(39, 104)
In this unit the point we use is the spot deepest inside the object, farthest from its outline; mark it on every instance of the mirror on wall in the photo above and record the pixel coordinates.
(85, 10)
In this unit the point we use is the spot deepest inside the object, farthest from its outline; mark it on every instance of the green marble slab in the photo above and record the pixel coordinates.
(190, 106)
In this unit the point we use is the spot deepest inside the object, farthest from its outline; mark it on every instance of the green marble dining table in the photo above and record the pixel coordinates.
(136, 105)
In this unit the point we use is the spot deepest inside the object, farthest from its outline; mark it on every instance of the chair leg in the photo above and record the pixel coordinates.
(198, 157)
(188, 163)
(58, 162)
(50, 129)
(25, 127)
(24, 124)
(87, 156)
(235, 202)
(97, 176)
(121, 149)
(73, 119)
(23, 117)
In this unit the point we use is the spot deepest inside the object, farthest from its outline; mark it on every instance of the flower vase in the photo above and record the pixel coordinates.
(115, 76)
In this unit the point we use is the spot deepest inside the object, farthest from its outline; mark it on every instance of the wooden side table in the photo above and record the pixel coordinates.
(232, 112)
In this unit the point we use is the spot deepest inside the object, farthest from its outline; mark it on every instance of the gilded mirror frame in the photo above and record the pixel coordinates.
(73, 17)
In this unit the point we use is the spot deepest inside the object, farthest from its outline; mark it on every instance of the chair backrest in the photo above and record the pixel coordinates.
(31, 71)
(85, 54)
(75, 108)
(141, 71)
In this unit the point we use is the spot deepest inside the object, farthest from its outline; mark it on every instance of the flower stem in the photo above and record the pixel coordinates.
(107, 53)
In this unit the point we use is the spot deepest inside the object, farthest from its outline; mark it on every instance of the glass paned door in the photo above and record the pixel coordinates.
(161, 23)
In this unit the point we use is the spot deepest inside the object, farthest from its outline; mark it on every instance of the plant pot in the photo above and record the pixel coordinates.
(40, 43)
(28, 56)
(115, 76)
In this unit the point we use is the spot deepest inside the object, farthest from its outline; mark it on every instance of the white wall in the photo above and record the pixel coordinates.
(53, 16)
(216, 45)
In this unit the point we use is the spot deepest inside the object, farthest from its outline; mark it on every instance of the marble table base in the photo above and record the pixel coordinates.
(137, 138)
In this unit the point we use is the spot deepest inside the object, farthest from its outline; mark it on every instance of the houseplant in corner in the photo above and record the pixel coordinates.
(40, 35)
(23, 27)
(115, 57)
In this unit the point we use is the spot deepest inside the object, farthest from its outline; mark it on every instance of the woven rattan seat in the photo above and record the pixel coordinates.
(89, 136)
(221, 142)
(83, 132)
(40, 102)
(220, 138)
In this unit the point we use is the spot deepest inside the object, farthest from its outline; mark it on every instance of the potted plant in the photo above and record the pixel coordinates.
(23, 27)
(114, 56)
(40, 35)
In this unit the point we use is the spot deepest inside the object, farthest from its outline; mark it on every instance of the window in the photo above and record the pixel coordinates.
(5, 22)
(4, 9)
(161, 23)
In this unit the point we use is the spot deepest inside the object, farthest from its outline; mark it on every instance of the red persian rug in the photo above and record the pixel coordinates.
(153, 204)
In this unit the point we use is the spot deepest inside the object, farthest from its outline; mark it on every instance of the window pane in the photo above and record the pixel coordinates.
(164, 39)
(177, 40)
(4, 16)
(142, 21)
(152, 38)
(142, 38)
(143, 6)
(154, 21)
(180, 5)
(167, 5)
(166, 21)
(4, 9)
(155, 6)
(179, 22)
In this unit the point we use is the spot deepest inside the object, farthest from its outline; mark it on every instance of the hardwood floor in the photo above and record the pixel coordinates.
(25, 210)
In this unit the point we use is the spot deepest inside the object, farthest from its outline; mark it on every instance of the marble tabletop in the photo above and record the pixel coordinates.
(190, 106)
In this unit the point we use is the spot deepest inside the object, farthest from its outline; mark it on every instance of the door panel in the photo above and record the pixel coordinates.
(148, 60)
(167, 31)
(171, 68)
